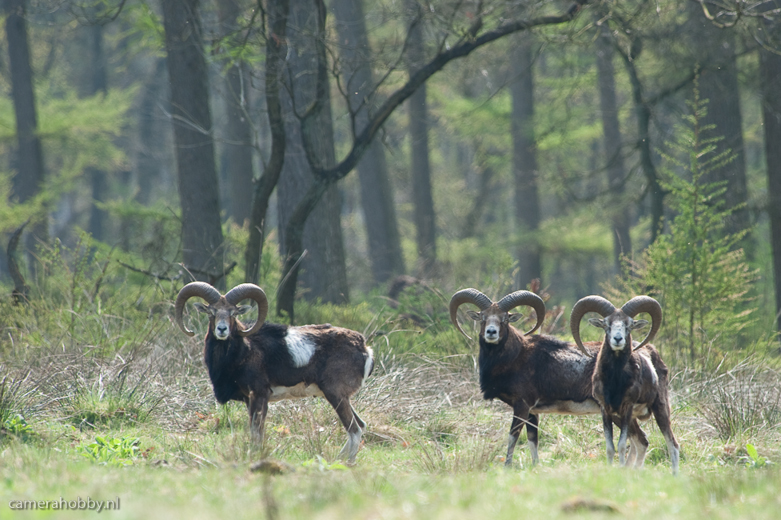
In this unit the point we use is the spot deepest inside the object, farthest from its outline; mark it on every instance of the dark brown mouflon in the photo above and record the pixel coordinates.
(270, 362)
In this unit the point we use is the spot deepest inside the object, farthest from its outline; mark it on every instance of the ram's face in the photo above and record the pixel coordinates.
(493, 323)
(618, 327)
(222, 317)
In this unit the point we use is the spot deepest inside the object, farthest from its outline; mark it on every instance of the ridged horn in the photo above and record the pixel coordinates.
(252, 292)
(591, 303)
(647, 304)
(200, 289)
(463, 296)
(517, 298)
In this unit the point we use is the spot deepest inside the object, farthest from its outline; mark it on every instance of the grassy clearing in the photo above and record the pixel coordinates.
(434, 450)
(102, 397)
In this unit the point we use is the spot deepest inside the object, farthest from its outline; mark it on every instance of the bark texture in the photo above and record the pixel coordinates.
(30, 175)
(715, 55)
(98, 84)
(307, 115)
(620, 218)
(770, 69)
(276, 50)
(422, 198)
(525, 170)
(376, 191)
(238, 147)
(202, 238)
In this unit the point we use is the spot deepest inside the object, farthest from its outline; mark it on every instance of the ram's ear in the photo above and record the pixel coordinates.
(597, 322)
(241, 309)
(206, 309)
(639, 324)
(475, 315)
(513, 317)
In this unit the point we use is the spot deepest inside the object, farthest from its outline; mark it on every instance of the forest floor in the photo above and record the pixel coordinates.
(141, 429)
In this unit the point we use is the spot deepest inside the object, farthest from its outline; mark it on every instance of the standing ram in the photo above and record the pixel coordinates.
(630, 380)
(532, 374)
(269, 362)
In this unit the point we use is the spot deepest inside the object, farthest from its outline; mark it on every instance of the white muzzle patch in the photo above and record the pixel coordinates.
(617, 335)
(222, 329)
(492, 328)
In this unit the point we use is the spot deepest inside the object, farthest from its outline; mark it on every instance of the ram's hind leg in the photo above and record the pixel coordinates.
(638, 446)
(352, 423)
(361, 423)
(661, 411)
(532, 436)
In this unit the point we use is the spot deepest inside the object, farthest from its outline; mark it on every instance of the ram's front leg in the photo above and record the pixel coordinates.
(626, 419)
(520, 418)
(257, 405)
(607, 426)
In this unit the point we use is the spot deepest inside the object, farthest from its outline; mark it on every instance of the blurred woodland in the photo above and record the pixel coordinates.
(324, 148)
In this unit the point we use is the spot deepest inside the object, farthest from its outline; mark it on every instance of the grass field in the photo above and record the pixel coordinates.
(103, 399)
(143, 428)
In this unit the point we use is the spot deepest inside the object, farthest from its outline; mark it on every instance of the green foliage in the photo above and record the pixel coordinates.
(753, 459)
(111, 451)
(17, 427)
(322, 465)
(696, 270)
(15, 402)
(111, 399)
(76, 133)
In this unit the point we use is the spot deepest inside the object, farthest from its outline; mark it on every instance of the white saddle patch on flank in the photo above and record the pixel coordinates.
(650, 367)
(278, 393)
(299, 345)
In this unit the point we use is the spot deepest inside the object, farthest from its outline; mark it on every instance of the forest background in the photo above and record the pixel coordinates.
(361, 161)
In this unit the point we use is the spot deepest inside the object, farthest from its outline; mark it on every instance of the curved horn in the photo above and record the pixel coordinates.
(200, 289)
(472, 296)
(588, 304)
(647, 304)
(252, 292)
(517, 298)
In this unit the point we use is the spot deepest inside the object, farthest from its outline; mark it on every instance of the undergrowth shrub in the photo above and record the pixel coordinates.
(109, 398)
(111, 451)
(741, 402)
(16, 403)
(696, 270)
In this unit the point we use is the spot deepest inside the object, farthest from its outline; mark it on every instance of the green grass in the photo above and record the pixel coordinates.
(101, 396)
(434, 450)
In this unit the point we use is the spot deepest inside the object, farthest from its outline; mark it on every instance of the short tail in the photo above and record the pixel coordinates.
(368, 366)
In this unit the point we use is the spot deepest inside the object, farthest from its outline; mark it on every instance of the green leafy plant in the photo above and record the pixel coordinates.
(696, 270)
(753, 459)
(111, 451)
(320, 464)
(17, 427)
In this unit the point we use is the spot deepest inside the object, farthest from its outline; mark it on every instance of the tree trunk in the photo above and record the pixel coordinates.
(376, 191)
(202, 238)
(98, 85)
(422, 199)
(324, 273)
(643, 117)
(29, 179)
(149, 163)
(239, 135)
(770, 70)
(527, 206)
(715, 54)
(622, 244)
(276, 50)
